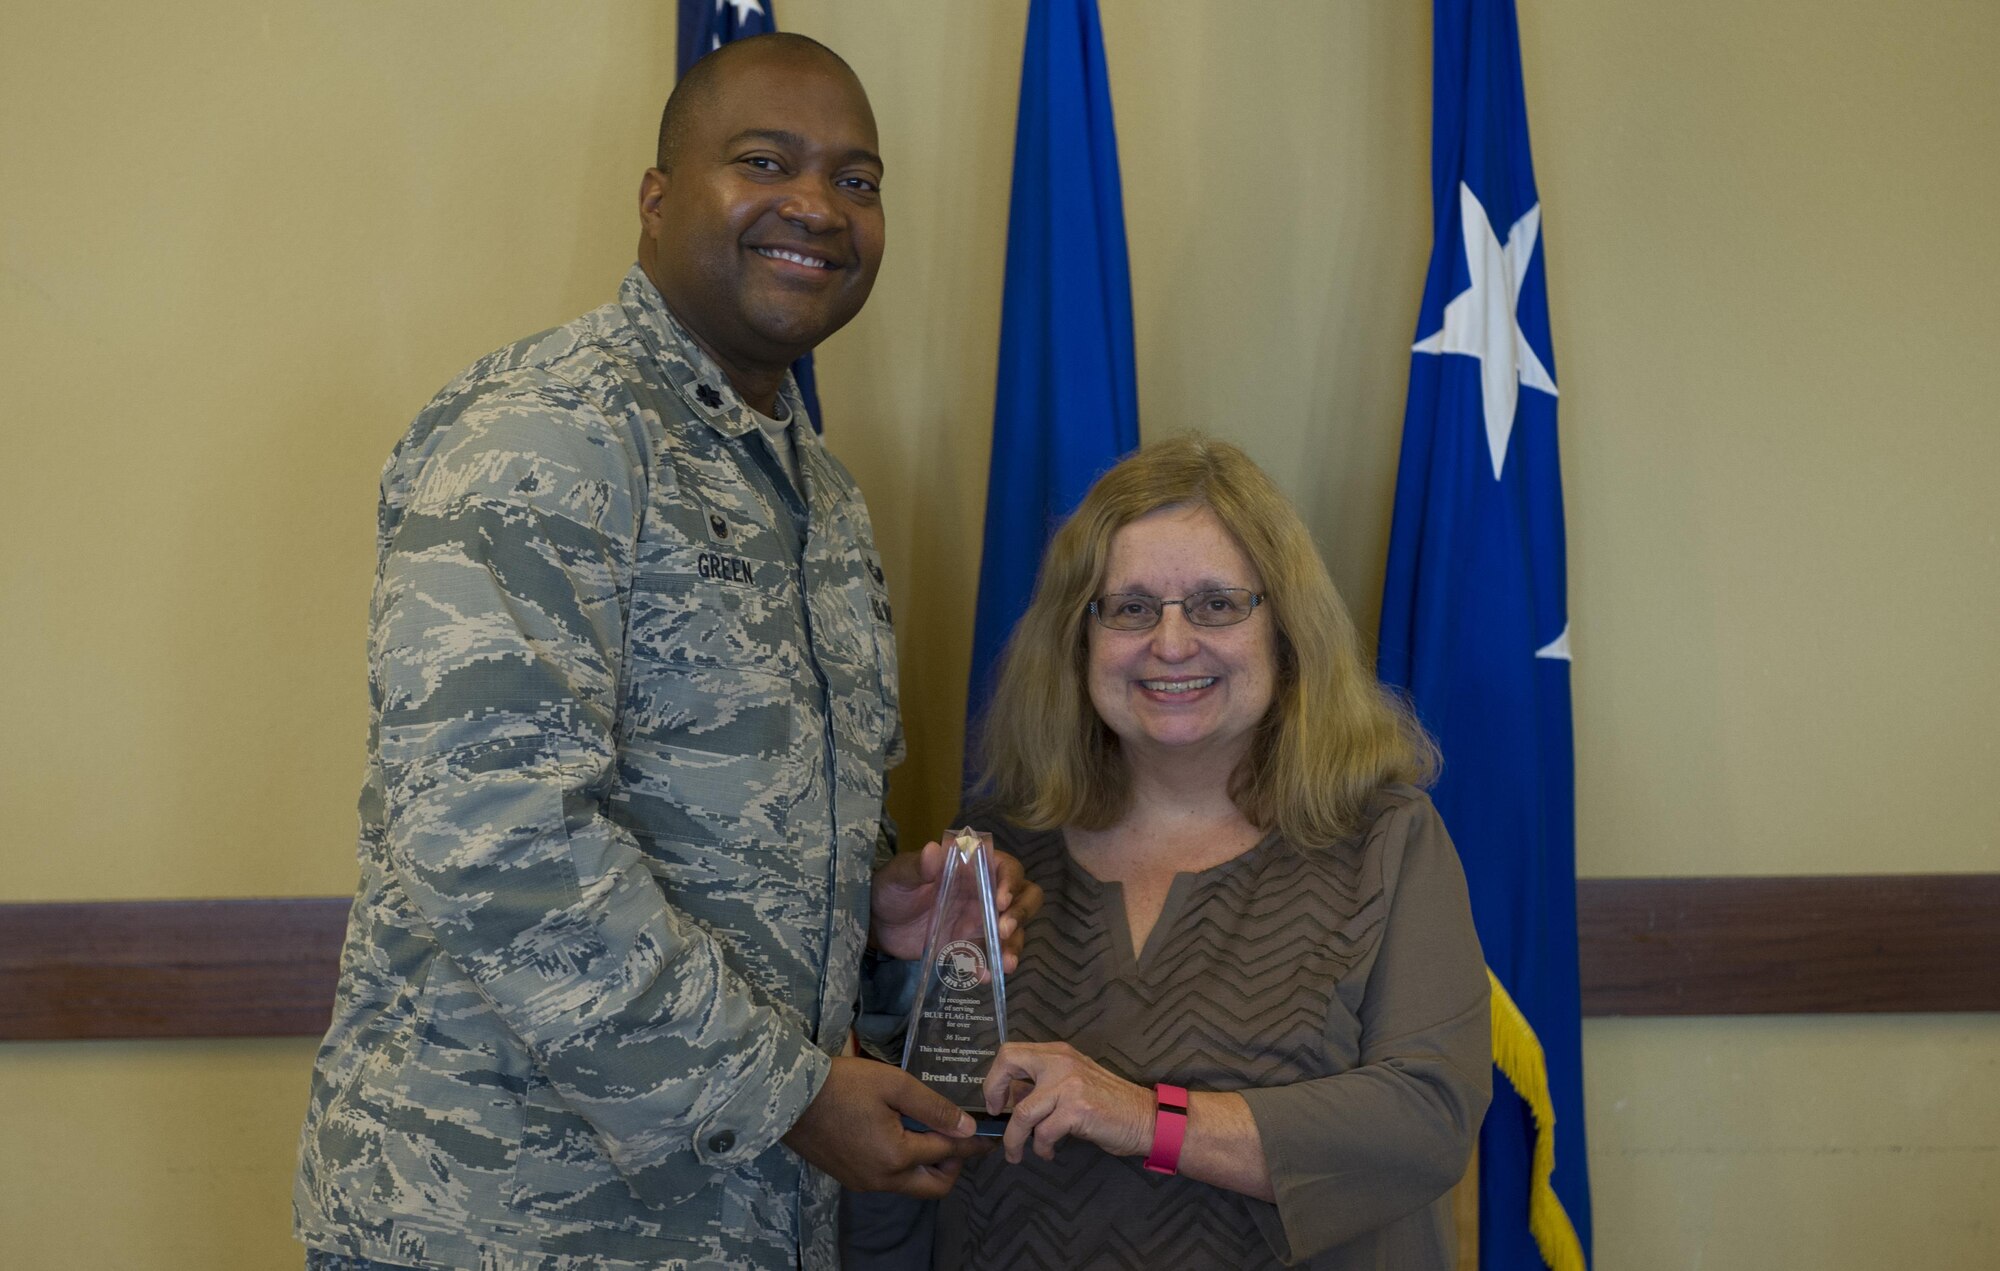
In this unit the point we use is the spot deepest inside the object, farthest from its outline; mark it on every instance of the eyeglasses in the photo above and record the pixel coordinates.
(1132, 611)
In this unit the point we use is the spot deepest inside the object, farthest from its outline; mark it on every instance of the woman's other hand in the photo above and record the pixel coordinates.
(1058, 1093)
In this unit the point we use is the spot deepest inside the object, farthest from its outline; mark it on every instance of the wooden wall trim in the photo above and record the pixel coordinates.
(1648, 946)
(169, 968)
(1789, 945)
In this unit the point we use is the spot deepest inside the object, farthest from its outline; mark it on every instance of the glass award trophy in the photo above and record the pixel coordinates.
(959, 1018)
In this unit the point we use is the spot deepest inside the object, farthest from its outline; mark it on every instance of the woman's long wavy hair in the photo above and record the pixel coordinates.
(1333, 735)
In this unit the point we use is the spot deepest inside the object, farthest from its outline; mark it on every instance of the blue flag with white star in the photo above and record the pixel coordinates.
(1066, 405)
(705, 26)
(1475, 625)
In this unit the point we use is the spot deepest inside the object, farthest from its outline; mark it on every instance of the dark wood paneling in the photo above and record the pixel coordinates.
(175, 968)
(1649, 946)
(1815, 945)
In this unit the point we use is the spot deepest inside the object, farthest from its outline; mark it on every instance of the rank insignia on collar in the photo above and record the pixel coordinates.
(875, 572)
(708, 396)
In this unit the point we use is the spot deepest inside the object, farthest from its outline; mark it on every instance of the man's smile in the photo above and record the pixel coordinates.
(795, 257)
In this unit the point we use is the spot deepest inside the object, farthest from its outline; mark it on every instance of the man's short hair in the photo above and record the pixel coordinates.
(698, 85)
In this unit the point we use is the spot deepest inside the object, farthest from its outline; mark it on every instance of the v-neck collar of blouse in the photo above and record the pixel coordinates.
(1110, 897)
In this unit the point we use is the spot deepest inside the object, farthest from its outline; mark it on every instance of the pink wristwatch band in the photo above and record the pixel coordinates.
(1169, 1128)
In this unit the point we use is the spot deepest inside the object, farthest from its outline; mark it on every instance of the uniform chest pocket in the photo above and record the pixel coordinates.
(856, 650)
(710, 608)
(884, 643)
(708, 745)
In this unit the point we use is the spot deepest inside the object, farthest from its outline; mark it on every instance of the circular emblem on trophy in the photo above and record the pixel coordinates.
(959, 965)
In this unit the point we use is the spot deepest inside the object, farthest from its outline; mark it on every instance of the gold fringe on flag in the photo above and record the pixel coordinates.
(1518, 1054)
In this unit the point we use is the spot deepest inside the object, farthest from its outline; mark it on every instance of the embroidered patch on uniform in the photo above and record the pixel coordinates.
(719, 528)
(709, 397)
(875, 571)
(717, 567)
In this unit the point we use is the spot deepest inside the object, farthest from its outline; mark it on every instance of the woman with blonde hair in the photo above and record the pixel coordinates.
(1250, 1022)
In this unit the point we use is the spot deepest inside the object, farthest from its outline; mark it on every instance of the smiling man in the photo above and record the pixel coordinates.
(633, 694)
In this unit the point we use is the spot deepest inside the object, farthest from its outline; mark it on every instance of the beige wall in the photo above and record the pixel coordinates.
(1773, 271)
(241, 243)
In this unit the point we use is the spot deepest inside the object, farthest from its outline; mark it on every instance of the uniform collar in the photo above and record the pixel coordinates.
(693, 373)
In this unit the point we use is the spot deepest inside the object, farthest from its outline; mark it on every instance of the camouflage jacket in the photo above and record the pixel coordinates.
(632, 698)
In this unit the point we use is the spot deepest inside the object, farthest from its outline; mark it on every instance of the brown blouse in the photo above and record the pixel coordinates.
(1340, 991)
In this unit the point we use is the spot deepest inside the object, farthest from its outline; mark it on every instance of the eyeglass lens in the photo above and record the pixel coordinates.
(1130, 611)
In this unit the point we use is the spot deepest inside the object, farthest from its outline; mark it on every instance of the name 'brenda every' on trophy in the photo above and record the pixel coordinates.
(1249, 1025)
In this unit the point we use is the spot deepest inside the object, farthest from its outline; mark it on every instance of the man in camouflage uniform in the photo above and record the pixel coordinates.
(633, 693)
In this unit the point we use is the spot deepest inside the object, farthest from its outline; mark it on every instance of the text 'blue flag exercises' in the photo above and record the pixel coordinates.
(1066, 404)
(705, 26)
(1475, 625)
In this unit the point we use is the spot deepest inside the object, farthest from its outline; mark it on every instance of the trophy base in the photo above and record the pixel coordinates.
(983, 1126)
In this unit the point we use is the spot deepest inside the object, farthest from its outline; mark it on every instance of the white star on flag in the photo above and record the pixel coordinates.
(744, 8)
(1556, 649)
(1480, 321)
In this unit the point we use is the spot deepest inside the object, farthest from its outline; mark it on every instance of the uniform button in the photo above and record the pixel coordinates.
(722, 1142)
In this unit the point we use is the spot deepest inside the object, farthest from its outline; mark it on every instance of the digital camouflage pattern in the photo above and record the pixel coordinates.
(321, 1260)
(632, 698)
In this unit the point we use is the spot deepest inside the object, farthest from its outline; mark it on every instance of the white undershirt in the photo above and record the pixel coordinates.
(783, 441)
